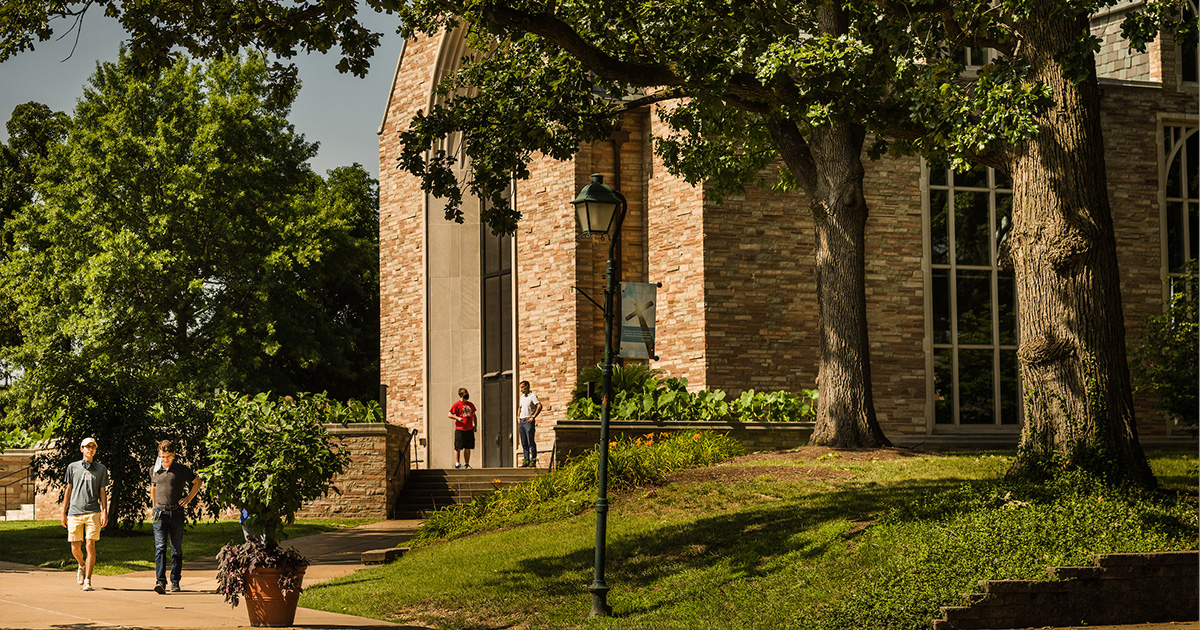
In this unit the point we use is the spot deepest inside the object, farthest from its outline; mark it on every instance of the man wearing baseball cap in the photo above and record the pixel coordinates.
(85, 508)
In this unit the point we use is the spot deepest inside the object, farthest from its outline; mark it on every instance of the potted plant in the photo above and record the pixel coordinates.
(269, 456)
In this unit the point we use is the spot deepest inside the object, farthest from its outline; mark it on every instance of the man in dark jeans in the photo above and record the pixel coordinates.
(168, 480)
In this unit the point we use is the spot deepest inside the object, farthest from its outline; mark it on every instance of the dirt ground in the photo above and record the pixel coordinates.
(784, 466)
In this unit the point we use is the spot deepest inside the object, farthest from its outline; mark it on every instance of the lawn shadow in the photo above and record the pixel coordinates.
(746, 541)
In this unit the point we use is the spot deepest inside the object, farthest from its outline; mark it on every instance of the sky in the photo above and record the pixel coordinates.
(340, 111)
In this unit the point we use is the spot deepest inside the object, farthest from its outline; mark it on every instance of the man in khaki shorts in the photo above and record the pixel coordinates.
(85, 508)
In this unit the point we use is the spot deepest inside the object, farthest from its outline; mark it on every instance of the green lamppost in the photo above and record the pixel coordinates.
(596, 209)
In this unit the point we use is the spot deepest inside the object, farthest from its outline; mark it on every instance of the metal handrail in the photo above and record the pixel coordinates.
(400, 461)
(25, 480)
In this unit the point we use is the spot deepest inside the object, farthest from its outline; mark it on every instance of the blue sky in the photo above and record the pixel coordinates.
(340, 111)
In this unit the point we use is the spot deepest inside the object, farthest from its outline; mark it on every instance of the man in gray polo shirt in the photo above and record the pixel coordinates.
(85, 508)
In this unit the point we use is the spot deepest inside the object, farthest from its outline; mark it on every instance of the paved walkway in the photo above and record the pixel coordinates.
(34, 598)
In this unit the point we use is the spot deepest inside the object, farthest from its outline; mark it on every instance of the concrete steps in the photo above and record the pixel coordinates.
(430, 490)
(23, 513)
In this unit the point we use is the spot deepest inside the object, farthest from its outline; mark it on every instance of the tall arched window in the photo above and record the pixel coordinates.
(1181, 198)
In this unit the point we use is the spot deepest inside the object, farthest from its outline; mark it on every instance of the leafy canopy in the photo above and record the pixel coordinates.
(176, 231)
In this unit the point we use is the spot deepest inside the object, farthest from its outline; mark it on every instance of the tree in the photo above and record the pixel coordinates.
(178, 233)
(1062, 248)
(733, 127)
(169, 239)
(803, 81)
(128, 414)
(32, 129)
(1165, 355)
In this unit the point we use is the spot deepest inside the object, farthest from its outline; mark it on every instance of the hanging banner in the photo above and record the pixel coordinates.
(637, 320)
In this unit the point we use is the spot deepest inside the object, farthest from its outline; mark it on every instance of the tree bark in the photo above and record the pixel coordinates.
(1074, 371)
(832, 176)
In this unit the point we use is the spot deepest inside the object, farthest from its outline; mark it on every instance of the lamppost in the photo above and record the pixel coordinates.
(596, 210)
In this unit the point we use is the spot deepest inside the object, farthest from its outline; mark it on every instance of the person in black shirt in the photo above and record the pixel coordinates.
(168, 481)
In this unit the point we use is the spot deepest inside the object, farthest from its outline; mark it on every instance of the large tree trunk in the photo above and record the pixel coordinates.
(1074, 373)
(834, 184)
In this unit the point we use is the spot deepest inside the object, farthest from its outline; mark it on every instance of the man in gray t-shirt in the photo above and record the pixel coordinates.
(85, 508)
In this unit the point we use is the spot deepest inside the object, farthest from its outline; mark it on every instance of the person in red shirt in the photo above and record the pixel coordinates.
(463, 415)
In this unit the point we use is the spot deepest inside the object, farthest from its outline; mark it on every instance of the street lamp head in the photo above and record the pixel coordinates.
(596, 206)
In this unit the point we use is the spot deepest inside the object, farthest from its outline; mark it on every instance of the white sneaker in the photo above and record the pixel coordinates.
(79, 576)
(458, 465)
(87, 585)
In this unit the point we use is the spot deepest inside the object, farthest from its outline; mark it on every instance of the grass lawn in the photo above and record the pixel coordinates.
(822, 540)
(44, 543)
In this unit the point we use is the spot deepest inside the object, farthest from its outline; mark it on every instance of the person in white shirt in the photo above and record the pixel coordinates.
(528, 408)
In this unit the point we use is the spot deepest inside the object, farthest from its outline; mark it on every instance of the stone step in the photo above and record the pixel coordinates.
(431, 489)
(23, 513)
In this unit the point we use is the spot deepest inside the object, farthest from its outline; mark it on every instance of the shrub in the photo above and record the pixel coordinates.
(571, 489)
(625, 378)
(669, 400)
(351, 411)
(21, 437)
(1165, 357)
(269, 456)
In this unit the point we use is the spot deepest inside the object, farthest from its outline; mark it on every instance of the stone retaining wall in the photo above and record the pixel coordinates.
(379, 463)
(1120, 588)
(574, 437)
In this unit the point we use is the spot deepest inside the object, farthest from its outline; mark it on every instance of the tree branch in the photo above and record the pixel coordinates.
(596, 59)
(795, 152)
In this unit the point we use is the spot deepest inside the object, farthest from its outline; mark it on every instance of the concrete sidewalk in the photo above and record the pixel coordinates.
(43, 599)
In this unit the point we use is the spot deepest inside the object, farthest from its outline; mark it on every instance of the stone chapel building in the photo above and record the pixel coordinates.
(736, 310)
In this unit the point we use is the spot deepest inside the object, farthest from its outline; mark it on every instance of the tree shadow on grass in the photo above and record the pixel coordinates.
(744, 541)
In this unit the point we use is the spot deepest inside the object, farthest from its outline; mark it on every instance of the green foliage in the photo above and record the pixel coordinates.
(20, 437)
(669, 400)
(351, 411)
(127, 416)
(1166, 354)
(566, 491)
(625, 378)
(174, 230)
(269, 456)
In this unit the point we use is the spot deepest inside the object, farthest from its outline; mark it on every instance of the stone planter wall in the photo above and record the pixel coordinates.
(574, 437)
(379, 463)
(378, 469)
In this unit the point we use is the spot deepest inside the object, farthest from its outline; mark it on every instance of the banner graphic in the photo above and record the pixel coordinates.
(637, 320)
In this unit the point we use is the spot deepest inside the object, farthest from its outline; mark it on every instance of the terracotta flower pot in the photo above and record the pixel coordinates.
(265, 600)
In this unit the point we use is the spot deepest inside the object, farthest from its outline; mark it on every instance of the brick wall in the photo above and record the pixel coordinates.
(1130, 117)
(737, 306)
(675, 244)
(575, 437)
(1116, 60)
(1120, 588)
(402, 244)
